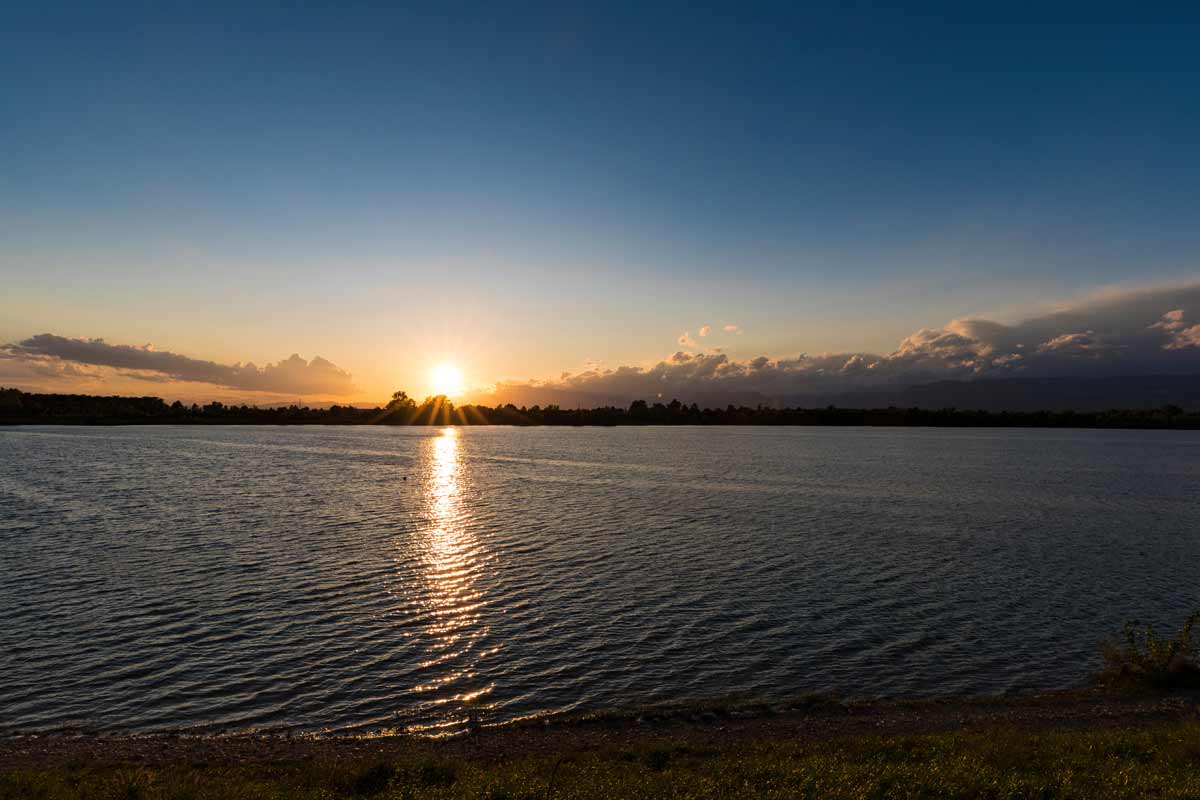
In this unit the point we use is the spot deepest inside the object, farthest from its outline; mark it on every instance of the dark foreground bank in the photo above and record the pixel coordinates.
(1090, 744)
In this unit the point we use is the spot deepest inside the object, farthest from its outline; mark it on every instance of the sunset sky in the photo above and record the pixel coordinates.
(601, 199)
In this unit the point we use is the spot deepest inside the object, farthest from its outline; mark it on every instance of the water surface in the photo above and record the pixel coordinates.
(360, 579)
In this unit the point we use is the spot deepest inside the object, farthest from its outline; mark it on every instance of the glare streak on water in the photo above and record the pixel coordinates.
(361, 579)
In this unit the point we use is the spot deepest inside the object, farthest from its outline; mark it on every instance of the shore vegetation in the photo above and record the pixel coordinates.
(17, 407)
(1092, 764)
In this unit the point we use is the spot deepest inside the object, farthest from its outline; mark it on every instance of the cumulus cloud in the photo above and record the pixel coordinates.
(705, 330)
(1182, 333)
(1147, 331)
(19, 368)
(686, 340)
(732, 329)
(48, 355)
(1086, 344)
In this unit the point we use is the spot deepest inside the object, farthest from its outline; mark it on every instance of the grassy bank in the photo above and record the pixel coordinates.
(1101, 762)
(1136, 734)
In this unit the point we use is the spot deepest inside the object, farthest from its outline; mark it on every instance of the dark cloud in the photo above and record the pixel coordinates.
(1150, 331)
(51, 355)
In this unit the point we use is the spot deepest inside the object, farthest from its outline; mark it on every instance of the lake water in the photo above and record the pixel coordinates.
(361, 579)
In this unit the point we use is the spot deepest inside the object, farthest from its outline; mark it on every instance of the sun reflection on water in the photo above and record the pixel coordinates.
(453, 562)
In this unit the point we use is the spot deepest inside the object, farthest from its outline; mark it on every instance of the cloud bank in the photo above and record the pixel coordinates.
(1130, 332)
(50, 356)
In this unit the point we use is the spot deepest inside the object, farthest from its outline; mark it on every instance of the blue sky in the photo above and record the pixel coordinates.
(528, 188)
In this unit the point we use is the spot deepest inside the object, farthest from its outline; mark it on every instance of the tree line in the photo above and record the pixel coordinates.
(17, 407)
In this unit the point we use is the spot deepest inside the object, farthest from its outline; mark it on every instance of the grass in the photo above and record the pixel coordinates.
(1161, 761)
(1141, 658)
(1096, 763)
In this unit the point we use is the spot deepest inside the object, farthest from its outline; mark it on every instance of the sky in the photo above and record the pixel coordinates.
(260, 202)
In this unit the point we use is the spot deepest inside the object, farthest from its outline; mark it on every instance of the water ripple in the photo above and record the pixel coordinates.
(365, 579)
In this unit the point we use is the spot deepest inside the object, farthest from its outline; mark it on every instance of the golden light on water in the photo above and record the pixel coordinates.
(453, 560)
(450, 546)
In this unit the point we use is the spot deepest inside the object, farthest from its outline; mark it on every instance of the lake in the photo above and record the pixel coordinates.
(368, 579)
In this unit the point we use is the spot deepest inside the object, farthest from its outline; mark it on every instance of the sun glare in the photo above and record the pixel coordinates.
(447, 380)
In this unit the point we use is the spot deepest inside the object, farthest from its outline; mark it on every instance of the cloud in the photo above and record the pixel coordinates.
(16, 368)
(51, 354)
(1182, 334)
(732, 329)
(686, 340)
(705, 330)
(1086, 344)
(1142, 331)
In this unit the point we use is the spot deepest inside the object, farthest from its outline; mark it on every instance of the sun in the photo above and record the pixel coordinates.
(447, 379)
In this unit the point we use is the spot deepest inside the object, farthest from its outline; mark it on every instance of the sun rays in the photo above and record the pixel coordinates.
(447, 379)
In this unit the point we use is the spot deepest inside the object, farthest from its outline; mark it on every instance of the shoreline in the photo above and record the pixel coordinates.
(1078, 423)
(809, 719)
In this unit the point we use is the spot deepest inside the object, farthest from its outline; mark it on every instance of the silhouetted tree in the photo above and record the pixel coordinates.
(17, 407)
